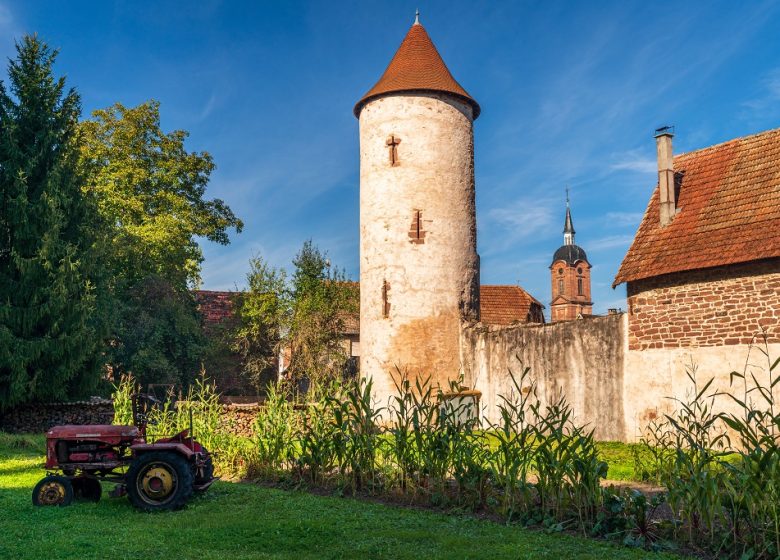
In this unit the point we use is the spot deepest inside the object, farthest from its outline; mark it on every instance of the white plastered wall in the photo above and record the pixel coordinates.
(431, 286)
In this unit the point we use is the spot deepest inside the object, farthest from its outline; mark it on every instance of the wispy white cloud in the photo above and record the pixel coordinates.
(6, 17)
(527, 217)
(610, 242)
(624, 218)
(769, 98)
(639, 164)
(208, 108)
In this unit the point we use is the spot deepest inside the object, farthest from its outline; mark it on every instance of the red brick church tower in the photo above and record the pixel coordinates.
(570, 273)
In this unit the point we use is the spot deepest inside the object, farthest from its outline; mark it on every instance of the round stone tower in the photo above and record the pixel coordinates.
(419, 269)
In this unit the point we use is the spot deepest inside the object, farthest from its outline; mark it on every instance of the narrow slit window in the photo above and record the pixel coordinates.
(392, 148)
(560, 286)
(416, 231)
(579, 287)
(385, 300)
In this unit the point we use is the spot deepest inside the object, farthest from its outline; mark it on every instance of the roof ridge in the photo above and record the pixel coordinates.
(726, 142)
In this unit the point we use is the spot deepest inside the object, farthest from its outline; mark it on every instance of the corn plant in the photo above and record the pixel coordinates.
(356, 434)
(469, 451)
(275, 426)
(752, 481)
(400, 443)
(694, 481)
(315, 437)
(122, 397)
(511, 460)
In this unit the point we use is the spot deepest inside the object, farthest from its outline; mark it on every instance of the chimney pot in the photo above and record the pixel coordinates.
(667, 199)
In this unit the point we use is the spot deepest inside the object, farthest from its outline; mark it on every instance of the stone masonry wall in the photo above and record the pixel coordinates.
(582, 359)
(715, 307)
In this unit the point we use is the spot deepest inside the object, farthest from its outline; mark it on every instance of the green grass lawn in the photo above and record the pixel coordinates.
(620, 458)
(237, 521)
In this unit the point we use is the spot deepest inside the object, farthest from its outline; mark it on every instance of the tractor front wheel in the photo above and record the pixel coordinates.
(159, 480)
(53, 490)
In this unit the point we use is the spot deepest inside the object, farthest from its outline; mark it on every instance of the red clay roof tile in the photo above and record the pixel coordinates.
(504, 305)
(417, 66)
(728, 211)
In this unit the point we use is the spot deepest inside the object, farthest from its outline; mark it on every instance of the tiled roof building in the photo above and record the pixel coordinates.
(505, 305)
(704, 267)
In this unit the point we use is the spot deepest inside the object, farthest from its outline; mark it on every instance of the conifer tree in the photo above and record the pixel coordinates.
(50, 280)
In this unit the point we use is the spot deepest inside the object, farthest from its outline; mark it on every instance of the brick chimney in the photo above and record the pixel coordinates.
(668, 202)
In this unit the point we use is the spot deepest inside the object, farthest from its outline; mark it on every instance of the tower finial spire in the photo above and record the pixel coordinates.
(568, 226)
(417, 17)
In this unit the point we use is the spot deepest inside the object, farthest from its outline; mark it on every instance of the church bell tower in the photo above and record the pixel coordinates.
(570, 275)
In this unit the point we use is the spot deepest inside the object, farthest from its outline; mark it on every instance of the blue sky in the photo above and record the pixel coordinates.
(570, 93)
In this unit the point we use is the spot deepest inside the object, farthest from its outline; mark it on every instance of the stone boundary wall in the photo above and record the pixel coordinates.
(583, 359)
(723, 306)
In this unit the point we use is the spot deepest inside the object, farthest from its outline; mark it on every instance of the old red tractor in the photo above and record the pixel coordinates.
(156, 475)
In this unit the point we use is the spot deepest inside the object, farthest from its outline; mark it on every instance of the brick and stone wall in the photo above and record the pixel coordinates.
(714, 307)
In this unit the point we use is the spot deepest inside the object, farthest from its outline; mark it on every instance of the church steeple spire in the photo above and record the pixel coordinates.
(568, 227)
(570, 272)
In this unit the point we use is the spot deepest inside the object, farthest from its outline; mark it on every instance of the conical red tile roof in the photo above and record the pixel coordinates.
(417, 66)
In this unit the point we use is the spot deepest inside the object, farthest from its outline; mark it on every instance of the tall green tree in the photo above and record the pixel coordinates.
(160, 336)
(302, 317)
(322, 298)
(51, 331)
(152, 191)
(264, 312)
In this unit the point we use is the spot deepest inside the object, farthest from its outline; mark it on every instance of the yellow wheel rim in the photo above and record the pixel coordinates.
(157, 482)
(51, 494)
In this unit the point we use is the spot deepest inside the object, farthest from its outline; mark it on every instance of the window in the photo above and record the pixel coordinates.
(385, 299)
(579, 270)
(416, 231)
(560, 271)
(392, 145)
(560, 286)
(579, 287)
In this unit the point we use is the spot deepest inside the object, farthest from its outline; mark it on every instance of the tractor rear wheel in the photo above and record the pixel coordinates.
(53, 490)
(159, 480)
(87, 488)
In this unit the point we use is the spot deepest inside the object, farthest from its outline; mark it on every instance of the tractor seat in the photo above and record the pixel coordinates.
(93, 431)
